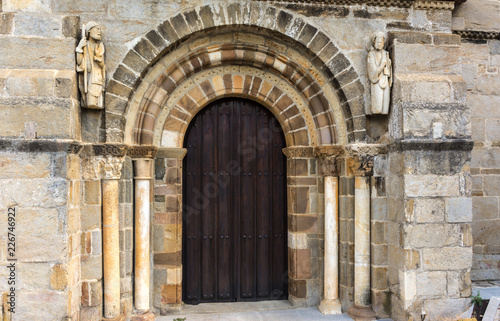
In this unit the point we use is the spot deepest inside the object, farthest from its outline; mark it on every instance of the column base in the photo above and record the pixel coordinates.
(361, 313)
(330, 306)
(118, 318)
(147, 316)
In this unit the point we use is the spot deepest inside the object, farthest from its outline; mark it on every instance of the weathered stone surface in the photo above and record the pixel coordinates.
(44, 305)
(427, 210)
(50, 53)
(459, 209)
(485, 208)
(431, 235)
(446, 307)
(6, 23)
(440, 258)
(35, 25)
(479, 14)
(431, 185)
(431, 284)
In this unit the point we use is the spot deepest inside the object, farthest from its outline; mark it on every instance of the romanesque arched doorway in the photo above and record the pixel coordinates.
(234, 205)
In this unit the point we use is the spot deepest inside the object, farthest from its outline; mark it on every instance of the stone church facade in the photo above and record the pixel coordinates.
(412, 197)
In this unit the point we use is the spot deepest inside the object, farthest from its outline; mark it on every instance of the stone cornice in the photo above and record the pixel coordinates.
(418, 4)
(456, 144)
(142, 151)
(477, 35)
(117, 150)
(177, 153)
(40, 146)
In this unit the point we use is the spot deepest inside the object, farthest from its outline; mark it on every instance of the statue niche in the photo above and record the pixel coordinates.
(90, 67)
(379, 67)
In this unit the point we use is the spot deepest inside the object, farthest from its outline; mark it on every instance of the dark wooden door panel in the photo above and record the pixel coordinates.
(234, 205)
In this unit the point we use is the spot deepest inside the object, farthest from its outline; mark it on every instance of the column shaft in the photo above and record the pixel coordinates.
(111, 248)
(142, 236)
(331, 302)
(362, 241)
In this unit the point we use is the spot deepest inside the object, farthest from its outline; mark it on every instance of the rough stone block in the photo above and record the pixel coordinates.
(35, 25)
(484, 208)
(91, 267)
(431, 59)
(440, 258)
(52, 117)
(459, 209)
(431, 284)
(427, 210)
(51, 53)
(6, 23)
(71, 26)
(431, 235)
(44, 305)
(431, 185)
(445, 307)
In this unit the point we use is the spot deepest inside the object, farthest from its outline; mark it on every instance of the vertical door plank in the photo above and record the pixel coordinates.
(208, 190)
(224, 217)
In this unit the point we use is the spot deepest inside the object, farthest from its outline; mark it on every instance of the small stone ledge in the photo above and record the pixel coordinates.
(177, 153)
(434, 145)
(39, 146)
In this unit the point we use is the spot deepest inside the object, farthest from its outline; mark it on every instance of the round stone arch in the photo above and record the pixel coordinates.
(130, 90)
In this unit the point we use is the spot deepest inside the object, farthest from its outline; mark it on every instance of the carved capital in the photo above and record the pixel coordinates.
(142, 168)
(298, 152)
(111, 167)
(102, 167)
(142, 151)
(328, 166)
(360, 165)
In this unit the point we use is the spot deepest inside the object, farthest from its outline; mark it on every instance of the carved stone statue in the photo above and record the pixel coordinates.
(379, 68)
(90, 67)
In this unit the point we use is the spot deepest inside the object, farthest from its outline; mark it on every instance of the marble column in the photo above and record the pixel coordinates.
(111, 169)
(331, 303)
(362, 309)
(142, 177)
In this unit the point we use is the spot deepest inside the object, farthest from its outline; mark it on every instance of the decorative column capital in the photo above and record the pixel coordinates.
(361, 165)
(142, 168)
(299, 152)
(328, 166)
(110, 167)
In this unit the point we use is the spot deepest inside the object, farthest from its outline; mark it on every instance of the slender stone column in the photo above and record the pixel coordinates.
(331, 303)
(362, 309)
(142, 176)
(111, 168)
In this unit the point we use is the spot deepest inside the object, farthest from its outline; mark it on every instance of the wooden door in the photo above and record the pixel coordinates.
(234, 205)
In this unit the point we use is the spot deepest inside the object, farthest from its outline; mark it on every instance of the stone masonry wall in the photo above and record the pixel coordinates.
(44, 189)
(429, 233)
(481, 61)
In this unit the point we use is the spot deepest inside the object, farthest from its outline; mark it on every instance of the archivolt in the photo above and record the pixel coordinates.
(178, 82)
